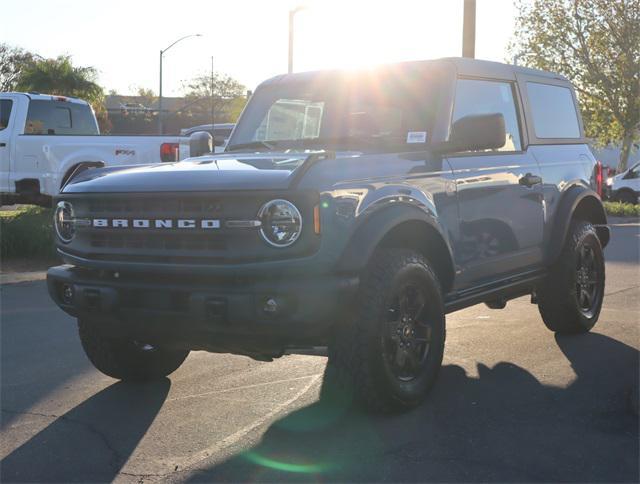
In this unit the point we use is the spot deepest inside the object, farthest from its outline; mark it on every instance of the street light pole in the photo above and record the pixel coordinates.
(160, 125)
(292, 14)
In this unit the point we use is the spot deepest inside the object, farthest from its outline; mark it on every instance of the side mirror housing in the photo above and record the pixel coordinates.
(475, 132)
(200, 143)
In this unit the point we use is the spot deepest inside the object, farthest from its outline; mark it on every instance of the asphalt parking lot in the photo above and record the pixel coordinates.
(513, 403)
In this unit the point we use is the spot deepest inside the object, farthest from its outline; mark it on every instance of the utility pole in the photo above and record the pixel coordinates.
(292, 14)
(160, 127)
(212, 106)
(469, 29)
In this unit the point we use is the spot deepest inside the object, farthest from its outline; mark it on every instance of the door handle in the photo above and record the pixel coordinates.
(529, 180)
(2, 145)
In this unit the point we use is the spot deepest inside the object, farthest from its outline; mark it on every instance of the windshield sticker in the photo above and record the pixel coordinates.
(417, 137)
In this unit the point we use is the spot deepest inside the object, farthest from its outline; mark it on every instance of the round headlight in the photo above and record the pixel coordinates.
(63, 221)
(281, 223)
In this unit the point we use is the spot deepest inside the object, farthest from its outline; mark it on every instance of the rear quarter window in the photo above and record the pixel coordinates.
(553, 110)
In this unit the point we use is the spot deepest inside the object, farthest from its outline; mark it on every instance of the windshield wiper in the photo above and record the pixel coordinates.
(252, 144)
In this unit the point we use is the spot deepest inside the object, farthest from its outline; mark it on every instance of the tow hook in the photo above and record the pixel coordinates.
(499, 303)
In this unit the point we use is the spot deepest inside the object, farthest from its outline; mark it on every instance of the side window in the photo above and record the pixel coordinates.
(487, 97)
(39, 118)
(83, 121)
(553, 110)
(633, 173)
(51, 118)
(5, 112)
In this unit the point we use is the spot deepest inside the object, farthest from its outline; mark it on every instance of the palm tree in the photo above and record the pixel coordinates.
(59, 76)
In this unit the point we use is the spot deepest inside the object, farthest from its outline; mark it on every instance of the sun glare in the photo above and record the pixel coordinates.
(355, 35)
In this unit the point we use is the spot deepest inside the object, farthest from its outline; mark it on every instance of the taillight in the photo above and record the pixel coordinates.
(599, 178)
(169, 152)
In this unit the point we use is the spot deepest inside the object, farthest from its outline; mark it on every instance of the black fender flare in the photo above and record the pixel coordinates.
(373, 228)
(79, 168)
(582, 201)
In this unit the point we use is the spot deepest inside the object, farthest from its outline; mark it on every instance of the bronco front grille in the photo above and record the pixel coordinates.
(156, 207)
(166, 242)
(163, 245)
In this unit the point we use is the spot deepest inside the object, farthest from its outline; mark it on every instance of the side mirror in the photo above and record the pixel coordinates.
(476, 132)
(200, 143)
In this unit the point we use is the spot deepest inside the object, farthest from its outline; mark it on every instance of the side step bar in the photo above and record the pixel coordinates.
(508, 288)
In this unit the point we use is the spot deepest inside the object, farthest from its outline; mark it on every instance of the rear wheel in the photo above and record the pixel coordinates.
(389, 355)
(571, 298)
(127, 359)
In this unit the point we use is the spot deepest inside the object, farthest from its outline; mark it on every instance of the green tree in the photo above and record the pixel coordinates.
(12, 62)
(596, 44)
(148, 96)
(59, 76)
(226, 93)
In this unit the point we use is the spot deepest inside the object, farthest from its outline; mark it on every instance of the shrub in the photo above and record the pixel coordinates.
(27, 232)
(619, 209)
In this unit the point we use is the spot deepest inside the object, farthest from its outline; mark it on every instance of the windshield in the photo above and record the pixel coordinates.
(377, 110)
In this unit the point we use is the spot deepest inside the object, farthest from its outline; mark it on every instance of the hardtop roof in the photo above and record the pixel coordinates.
(463, 66)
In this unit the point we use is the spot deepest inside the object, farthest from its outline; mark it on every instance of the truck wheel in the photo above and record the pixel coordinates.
(126, 359)
(387, 357)
(571, 297)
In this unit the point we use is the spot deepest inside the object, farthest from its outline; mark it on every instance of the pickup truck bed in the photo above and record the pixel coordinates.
(44, 139)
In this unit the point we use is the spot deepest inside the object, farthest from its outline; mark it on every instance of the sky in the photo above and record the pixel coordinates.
(248, 39)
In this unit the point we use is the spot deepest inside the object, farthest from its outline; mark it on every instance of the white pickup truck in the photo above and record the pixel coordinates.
(45, 139)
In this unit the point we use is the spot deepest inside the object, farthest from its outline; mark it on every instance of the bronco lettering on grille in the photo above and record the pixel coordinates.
(138, 223)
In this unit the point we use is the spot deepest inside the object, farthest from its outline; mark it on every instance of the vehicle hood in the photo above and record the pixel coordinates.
(233, 171)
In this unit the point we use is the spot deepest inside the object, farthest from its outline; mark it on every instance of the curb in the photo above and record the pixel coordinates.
(623, 221)
(17, 277)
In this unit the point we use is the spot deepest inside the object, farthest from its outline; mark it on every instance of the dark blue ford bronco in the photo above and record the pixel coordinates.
(350, 212)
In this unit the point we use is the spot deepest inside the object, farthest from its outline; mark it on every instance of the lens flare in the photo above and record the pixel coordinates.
(296, 468)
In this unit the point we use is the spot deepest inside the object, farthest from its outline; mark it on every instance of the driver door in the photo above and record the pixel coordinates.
(499, 192)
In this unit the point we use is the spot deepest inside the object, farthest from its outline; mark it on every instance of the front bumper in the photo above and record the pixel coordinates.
(225, 315)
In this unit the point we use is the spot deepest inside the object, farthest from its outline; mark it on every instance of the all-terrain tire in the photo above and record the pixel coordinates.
(125, 359)
(358, 370)
(562, 303)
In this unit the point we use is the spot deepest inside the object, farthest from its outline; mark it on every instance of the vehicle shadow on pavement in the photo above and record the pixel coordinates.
(91, 442)
(503, 425)
(39, 350)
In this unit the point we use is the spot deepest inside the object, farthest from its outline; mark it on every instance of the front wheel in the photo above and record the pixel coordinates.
(571, 297)
(627, 196)
(127, 359)
(389, 355)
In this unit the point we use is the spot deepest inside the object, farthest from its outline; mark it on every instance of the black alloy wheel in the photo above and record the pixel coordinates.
(588, 289)
(407, 341)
